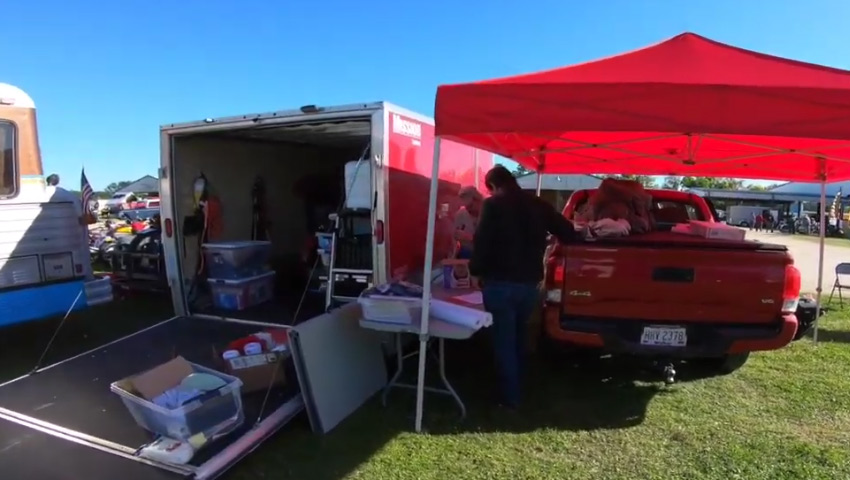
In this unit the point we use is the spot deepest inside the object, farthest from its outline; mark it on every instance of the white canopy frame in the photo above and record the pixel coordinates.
(538, 153)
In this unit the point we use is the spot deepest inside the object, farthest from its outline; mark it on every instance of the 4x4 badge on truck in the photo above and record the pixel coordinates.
(767, 301)
(576, 293)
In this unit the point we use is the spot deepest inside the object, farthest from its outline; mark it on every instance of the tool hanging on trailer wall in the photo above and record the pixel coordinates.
(205, 222)
(259, 219)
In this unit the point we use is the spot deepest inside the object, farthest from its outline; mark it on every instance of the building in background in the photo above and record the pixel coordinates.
(147, 185)
(556, 189)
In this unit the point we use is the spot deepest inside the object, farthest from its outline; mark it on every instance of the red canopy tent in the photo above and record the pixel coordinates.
(686, 106)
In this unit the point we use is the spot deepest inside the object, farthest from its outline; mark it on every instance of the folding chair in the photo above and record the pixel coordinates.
(840, 270)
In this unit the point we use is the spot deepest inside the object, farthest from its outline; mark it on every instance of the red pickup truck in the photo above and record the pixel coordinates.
(671, 296)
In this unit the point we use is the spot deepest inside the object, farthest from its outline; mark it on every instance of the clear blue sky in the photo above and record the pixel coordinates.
(106, 74)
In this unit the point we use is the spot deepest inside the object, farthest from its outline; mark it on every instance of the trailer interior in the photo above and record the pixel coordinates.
(302, 172)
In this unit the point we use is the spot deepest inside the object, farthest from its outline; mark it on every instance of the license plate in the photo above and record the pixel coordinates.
(664, 336)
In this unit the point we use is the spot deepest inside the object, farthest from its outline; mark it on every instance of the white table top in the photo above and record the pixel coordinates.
(436, 328)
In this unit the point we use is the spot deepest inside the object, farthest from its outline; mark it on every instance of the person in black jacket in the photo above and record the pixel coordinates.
(507, 263)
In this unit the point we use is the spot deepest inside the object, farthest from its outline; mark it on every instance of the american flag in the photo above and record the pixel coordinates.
(87, 194)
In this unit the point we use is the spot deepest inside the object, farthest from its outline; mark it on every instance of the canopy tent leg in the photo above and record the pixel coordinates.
(477, 172)
(426, 284)
(541, 160)
(822, 235)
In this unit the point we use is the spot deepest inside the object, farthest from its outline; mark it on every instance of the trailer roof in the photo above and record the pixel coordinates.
(257, 117)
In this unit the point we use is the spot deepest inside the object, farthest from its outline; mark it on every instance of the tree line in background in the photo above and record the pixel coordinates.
(676, 183)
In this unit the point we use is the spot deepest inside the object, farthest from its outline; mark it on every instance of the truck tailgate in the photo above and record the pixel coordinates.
(669, 277)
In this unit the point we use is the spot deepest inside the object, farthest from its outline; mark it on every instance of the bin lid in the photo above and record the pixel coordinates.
(237, 244)
(239, 281)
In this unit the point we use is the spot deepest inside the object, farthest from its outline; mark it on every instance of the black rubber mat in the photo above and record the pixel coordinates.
(76, 395)
(27, 454)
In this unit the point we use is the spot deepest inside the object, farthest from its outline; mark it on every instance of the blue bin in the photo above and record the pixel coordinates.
(237, 260)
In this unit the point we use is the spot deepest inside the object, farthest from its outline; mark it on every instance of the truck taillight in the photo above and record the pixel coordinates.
(554, 276)
(169, 227)
(791, 291)
(379, 232)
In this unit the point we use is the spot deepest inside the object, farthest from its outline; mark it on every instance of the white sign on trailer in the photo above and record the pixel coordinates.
(406, 127)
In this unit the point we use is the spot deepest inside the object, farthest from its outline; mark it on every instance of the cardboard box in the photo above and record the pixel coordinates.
(717, 231)
(258, 372)
(456, 274)
(154, 382)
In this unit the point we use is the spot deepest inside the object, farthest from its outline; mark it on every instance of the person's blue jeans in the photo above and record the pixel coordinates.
(511, 305)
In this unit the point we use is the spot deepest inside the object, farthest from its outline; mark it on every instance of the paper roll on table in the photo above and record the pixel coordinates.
(460, 315)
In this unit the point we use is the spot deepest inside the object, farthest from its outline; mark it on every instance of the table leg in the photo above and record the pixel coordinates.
(398, 369)
(452, 392)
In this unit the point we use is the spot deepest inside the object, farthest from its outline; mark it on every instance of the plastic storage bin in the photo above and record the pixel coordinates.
(216, 412)
(324, 241)
(398, 310)
(243, 293)
(237, 260)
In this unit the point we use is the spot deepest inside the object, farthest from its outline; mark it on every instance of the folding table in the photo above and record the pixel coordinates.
(437, 329)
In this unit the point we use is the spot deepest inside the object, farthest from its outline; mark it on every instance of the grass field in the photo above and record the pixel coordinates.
(785, 415)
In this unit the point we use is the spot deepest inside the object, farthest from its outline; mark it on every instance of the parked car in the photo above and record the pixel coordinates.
(671, 296)
(150, 202)
(116, 203)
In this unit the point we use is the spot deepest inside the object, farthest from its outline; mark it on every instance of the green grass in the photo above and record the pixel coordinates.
(784, 415)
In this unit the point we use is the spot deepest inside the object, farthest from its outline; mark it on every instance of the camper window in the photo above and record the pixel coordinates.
(8, 170)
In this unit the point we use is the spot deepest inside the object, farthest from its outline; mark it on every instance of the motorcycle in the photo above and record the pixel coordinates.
(101, 247)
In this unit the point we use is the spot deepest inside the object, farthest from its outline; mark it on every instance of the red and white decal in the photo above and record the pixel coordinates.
(408, 128)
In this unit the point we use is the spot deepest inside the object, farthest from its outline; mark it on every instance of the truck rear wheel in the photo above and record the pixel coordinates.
(726, 364)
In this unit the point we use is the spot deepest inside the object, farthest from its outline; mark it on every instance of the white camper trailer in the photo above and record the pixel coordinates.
(45, 266)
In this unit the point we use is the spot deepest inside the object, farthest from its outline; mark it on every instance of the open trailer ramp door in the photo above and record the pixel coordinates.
(71, 401)
(335, 367)
(28, 452)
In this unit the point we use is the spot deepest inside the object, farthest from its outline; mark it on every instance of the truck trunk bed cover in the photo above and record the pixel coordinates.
(678, 240)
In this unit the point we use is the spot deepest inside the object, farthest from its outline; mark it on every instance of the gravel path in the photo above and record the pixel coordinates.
(805, 252)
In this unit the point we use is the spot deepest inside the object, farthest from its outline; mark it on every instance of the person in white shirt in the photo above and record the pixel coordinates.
(466, 221)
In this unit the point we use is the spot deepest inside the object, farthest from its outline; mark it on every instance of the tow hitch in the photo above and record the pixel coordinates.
(669, 374)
